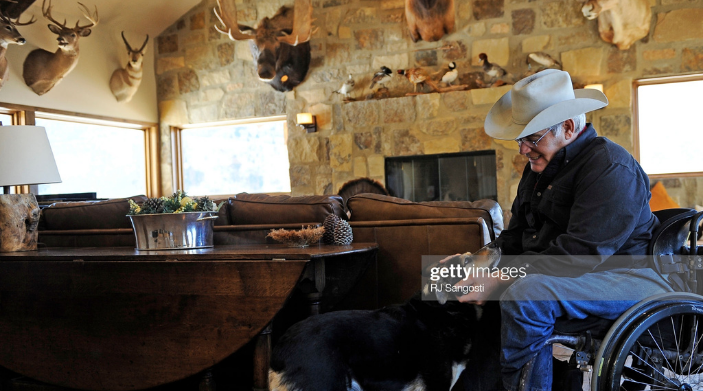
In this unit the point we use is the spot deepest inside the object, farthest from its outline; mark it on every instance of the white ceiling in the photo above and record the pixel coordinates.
(135, 17)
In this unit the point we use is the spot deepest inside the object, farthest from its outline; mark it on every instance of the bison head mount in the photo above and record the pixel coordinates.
(429, 20)
(280, 45)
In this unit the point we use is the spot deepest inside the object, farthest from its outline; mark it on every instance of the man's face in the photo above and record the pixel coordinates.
(541, 153)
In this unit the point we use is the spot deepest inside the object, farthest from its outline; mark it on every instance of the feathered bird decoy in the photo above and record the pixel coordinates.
(544, 60)
(415, 75)
(451, 74)
(381, 77)
(347, 87)
(492, 71)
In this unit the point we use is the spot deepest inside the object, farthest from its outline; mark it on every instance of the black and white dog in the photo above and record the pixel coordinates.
(420, 345)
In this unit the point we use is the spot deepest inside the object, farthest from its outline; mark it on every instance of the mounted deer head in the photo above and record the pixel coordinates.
(43, 69)
(620, 22)
(125, 81)
(8, 35)
(429, 20)
(279, 45)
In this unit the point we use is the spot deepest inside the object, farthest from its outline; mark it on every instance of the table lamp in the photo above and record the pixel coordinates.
(25, 159)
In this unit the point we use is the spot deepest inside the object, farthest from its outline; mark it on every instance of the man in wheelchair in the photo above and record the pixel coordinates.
(580, 227)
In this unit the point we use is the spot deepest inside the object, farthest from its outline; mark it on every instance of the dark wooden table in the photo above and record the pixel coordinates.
(122, 319)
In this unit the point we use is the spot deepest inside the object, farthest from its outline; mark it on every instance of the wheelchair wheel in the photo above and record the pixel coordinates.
(655, 345)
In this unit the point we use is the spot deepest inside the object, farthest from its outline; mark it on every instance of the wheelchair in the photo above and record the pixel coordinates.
(658, 343)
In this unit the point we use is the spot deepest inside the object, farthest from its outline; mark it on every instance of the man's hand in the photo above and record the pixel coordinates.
(445, 260)
(485, 286)
(484, 283)
(483, 278)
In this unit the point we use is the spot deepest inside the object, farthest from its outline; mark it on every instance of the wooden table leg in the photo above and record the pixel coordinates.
(262, 359)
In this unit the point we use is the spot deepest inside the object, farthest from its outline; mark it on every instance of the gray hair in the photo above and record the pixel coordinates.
(579, 124)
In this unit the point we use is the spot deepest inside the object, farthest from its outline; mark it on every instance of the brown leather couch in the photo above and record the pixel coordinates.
(403, 230)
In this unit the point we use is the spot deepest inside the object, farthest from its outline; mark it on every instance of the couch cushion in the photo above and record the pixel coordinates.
(282, 209)
(89, 214)
(376, 207)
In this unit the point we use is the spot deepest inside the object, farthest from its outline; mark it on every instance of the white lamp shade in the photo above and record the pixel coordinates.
(26, 157)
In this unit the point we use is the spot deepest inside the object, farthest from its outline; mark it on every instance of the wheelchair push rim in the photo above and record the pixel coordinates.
(656, 345)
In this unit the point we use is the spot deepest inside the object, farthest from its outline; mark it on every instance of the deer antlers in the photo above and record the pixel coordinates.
(227, 15)
(226, 12)
(46, 11)
(129, 48)
(17, 22)
(302, 24)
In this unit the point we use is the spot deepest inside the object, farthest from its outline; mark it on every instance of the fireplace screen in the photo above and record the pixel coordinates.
(465, 176)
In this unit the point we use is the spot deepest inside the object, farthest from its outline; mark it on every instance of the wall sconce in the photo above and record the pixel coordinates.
(598, 87)
(307, 121)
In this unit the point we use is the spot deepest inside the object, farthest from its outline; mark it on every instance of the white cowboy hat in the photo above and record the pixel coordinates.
(538, 102)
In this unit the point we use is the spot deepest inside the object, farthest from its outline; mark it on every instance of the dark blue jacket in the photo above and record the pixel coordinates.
(591, 199)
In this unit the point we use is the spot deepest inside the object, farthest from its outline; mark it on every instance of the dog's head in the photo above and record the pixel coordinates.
(487, 256)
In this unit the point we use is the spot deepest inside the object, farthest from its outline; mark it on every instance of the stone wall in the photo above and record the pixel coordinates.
(202, 76)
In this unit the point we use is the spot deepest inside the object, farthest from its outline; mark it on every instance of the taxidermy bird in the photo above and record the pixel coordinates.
(492, 72)
(415, 75)
(381, 77)
(347, 87)
(544, 60)
(451, 74)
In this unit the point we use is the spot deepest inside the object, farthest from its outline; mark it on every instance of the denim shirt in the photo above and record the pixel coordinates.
(591, 199)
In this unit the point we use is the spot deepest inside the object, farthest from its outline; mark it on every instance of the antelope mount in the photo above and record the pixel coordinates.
(429, 20)
(43, 69)
(280, 45)
(8, 35)
(124, 82)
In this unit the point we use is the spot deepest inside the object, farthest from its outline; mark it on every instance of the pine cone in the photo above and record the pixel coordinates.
(343, 233)
(330, 223)
(205, 204)
(153, 205)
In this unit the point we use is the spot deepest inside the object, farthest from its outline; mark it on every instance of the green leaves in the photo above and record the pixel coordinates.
(179, 202)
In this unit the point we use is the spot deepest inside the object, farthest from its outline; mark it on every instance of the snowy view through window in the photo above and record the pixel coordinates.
(669, 129)
(6, 119)
(109, 161)
(250, 158)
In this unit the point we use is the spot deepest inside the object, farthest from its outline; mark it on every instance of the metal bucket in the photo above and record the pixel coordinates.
(173, 231)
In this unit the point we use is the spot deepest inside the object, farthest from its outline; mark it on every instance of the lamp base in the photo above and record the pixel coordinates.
(19, 218)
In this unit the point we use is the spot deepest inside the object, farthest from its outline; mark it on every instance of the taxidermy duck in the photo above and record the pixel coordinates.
(415, 75)
(347, 87)
(381, 77)
(492, 72)
(544, 60)
(451, 74)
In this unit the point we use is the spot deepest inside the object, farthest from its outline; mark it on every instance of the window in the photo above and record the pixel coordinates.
(668, 126)
(232, 157)
(110, 157)
(5, 119)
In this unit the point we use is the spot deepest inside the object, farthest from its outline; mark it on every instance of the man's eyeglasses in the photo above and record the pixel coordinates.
(530, 143)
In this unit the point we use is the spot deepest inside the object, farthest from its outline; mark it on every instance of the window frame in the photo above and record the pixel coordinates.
(635, 118)
(26, 115)
(177, 143)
